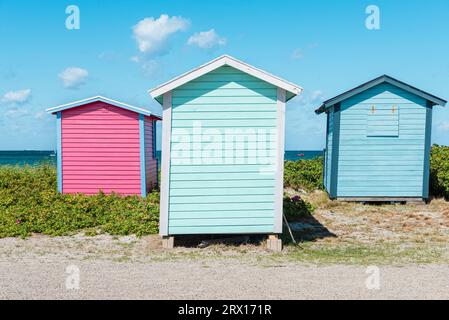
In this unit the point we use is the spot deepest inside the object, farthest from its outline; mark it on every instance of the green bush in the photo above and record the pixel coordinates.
(439, 171)
(304, 174)
(296, 207)
(29, 203)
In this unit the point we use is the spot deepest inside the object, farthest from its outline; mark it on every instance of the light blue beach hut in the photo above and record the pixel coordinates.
(223, 150)
(378, 142)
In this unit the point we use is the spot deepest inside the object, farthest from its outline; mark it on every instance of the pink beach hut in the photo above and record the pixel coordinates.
(105, 145)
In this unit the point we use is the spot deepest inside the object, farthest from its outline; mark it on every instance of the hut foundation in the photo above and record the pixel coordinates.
(274, 243)
(168, 242)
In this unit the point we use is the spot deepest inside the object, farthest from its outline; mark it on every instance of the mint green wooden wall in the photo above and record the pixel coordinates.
(382, 156)
(214, 196)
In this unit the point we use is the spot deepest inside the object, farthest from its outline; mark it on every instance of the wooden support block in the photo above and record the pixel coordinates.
(168, 242)
(273, 237)
(274, 243)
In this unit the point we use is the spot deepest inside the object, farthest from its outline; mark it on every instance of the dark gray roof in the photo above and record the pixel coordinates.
(385, 78)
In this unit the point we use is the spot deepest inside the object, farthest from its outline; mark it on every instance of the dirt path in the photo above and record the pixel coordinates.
(126, 268)
(199, 280)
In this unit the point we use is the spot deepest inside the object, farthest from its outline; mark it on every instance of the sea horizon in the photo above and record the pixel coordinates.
(35, 157)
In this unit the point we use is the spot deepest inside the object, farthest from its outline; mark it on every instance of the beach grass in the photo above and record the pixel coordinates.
(30, 203)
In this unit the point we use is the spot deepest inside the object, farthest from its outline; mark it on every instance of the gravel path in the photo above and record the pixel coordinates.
(199, 280)
(36, 269)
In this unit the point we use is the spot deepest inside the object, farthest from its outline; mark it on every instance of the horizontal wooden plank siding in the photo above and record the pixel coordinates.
(382, 142)
(100, 150)
(329, 142)
(150, 155)
(223, 147)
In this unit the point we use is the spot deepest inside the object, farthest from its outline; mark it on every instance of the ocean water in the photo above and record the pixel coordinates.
(38, 157)
(302, 155)
(27, 157)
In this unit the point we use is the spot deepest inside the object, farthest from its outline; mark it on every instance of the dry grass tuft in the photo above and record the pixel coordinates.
(390, 226)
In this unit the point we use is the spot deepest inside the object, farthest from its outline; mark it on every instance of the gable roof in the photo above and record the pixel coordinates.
(385, 78)
(225, 60)
(101, 99)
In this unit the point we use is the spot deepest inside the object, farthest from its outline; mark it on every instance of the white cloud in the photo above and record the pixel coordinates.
(443, 126)
(19, 96)
(16, 112)
(73, 77)
(151, 68)
(108, 56)
(39, 115)
(152, 34)
(317, 96)
(206, 39)
(297, 54)
(135, 59)
(309, 98)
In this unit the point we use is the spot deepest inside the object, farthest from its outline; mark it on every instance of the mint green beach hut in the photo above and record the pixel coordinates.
(223, 150)
(378, 142)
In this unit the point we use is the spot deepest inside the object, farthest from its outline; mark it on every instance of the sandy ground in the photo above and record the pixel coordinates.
(408, 243)
(129, 268)
(386, 223)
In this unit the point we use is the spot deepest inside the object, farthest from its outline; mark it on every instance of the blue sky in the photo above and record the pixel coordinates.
(124, 48)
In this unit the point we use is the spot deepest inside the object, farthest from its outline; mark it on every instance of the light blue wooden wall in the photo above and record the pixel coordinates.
(214, 194)
(382, 155)
(329, 142)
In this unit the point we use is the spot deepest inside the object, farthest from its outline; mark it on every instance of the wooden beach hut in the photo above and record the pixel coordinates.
(223, 151)
(106, 145)
(378, 142)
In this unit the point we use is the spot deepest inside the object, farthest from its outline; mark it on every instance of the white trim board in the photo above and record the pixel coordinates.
(279, 191)
(101, 99)
(165, 164)
(217, 63)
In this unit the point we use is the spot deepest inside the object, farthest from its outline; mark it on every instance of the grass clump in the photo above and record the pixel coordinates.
(365, 254)
(296, 207)
(304, 174)
(29, 203)
(439, 171)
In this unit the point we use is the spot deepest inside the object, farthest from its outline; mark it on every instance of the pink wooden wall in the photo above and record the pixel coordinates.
(150, 161)
(100, 150)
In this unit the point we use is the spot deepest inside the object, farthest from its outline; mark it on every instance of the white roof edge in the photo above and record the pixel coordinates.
(219, 62)
(102, 99)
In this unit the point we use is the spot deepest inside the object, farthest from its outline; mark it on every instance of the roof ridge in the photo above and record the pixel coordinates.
(374, 82)
(104, 99)
(220, 61)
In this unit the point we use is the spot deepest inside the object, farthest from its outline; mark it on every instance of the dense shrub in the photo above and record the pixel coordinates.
(439, 171)
(296, 207)
(29, 203)
(304, 174)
